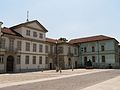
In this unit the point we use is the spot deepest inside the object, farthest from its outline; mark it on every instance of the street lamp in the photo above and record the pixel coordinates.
(58, 51)
(57, 56)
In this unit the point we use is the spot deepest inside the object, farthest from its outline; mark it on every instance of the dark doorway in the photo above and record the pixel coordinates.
(75, 64)
(85, 61)
(51, 66)
(10, 64)
(69, 62)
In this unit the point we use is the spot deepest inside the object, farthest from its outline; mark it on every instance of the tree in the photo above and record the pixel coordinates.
(63, 39)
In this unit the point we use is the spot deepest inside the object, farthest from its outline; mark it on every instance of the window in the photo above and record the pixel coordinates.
(60, 50)
(40, 60)
(18, 59)
(93, 49)
(34, 59)
(75, 51)
(103, 59)
(46, 60)
(93, 58)
(41, 35)
(69, 61)
(40, 48)
(27, 46)
(2, 43)
(85, 49)
(11, 45)
(19, 43)
(27, 60)
(34, 47)
(34, 34)
(28, 32)
(51, 48)
(1, 59)
(85, 60)
(46, 49)
(69, 49)
(102, 48)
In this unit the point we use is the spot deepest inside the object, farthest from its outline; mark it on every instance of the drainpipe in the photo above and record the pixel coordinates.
(98, 54)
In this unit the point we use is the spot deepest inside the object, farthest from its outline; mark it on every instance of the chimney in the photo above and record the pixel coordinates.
(0, 28)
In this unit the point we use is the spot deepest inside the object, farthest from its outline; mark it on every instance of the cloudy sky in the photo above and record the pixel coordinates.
(66, 18)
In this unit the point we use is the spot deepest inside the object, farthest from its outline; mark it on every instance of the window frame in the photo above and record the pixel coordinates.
(93, 59)
(40, 59)
(102, 48)
(19, 45)
(27, 32)
(93, 49)
(103, 59)
(27, 59)
(18, 59)
(41, 35)
(27, 46)
(34, 34)
(34, 47)
(34, 59)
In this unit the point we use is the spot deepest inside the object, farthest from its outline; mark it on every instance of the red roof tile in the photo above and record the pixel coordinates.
(51, 40)
(6, 30)
(90, 39)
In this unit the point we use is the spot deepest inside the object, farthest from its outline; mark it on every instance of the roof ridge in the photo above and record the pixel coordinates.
(91, 37)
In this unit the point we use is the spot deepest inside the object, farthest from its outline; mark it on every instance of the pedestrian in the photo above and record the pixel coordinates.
(60, 70)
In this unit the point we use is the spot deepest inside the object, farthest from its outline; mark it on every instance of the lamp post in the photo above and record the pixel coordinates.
(57, 56)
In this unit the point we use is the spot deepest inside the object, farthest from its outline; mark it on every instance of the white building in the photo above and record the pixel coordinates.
(24, 47)
(101, 50)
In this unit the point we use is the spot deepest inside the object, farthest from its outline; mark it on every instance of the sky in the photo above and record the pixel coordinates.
(66, 18)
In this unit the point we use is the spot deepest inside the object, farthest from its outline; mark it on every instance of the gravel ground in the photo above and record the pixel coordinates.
(9, 78)
(71, 83)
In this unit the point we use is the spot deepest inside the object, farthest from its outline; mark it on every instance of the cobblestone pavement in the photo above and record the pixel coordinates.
(9, 78)
(70, 83)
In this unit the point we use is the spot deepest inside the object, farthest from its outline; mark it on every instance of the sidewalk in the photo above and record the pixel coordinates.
(31, 77)
(112, 84)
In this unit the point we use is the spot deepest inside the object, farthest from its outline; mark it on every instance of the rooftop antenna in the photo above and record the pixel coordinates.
(27, 16)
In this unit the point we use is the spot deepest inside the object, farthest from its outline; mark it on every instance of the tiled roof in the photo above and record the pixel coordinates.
(51, 40)
(90, 39)
(6, 30)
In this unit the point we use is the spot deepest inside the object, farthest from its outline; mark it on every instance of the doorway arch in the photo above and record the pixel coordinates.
(10, 64)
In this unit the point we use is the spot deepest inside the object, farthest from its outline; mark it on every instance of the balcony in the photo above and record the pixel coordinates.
(11, 50)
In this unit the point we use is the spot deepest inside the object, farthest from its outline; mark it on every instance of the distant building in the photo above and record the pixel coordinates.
(25, 47)
(101, 50)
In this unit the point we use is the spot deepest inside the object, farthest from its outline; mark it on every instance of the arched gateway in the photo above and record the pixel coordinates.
(10, 64)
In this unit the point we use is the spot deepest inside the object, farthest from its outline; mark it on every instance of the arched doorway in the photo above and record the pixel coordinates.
(10, 64)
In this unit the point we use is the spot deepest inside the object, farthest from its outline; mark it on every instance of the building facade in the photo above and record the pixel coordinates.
(101, 50)
(25, 47)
